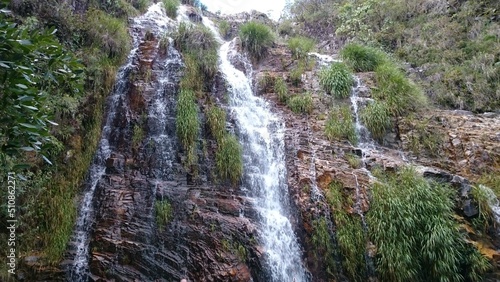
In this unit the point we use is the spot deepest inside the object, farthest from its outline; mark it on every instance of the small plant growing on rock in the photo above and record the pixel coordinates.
(362, 58)
(301, 103)
(281, 89)
(256, 38)
(224, 28)
(300, 46)
(336, 80)
(340, 124)
(163, 211)
(171, 7)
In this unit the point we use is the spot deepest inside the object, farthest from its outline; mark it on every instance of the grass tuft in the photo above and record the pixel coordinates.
(216, 118)
(336, 80)
(362, 58)
(281, 89)
(340, 124)
(228, 159)
(256, 38)
(187, 123)
(300, 46)
(164, 213)
(377, 118)
(302, 103)
(171, 7)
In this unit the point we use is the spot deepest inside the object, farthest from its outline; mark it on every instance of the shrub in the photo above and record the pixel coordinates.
(163, 211)
(400, 94)
(187, 123)
(340, 124)
(409, 214)
(301, 103)
(171, 7)
(336, 80)
(281, 89)
(228, 159)
(300, 46)
(377, 118)
(256, 38)
(216, 118)
(362, 58)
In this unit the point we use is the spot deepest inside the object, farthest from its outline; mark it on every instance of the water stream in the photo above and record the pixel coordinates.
(261, 134)
(153, 20)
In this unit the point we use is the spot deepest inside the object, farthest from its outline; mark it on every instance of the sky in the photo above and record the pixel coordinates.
(274, 7)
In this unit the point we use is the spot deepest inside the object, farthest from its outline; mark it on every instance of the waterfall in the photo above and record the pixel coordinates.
(261, 134)
(154, 20)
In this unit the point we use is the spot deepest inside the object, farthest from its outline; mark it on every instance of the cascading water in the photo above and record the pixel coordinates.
(261, 134)
(153, 20)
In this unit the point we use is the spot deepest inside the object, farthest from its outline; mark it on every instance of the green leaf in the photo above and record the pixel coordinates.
(22, 86)
(27, 125)
(27, 149)
(47, 160)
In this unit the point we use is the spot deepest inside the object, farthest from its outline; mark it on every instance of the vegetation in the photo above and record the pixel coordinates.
(377, 118)
(323, 244)
(340, 124)
(424, 139)
(350, 235)
(362, 58)
(301, 103)
(224, 28)
(300, 46)
(163, 211)
(171, 7)
(484, 198)
(198, 43)
(336, 80)
(281, 89)
(398, 92)
(456, 46)
(353, 160)
(256, 38)
(187, 123)
(407, 214)
(228, 159)
(216, 118)
(492, 181)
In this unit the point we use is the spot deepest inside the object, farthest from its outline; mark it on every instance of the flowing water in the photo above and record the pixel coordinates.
(154, 20)
(261, 134)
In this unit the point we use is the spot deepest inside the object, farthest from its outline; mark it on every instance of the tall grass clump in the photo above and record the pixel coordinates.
(300, 46)
(187, 123)
(362, 58)
(400, 94)
(411, 223)
(302, 103)
(224, 28)
(198, 42)
(377, 118)
(281, 89)
(340, 124)
(324, 248)
(336, 80)
(350, 235)
(171, 7)
(216, 118)
(163, 211)
(256, 38)
(108, 34)
(228, 159)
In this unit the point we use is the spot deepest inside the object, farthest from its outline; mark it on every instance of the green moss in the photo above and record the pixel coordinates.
(337, 80)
